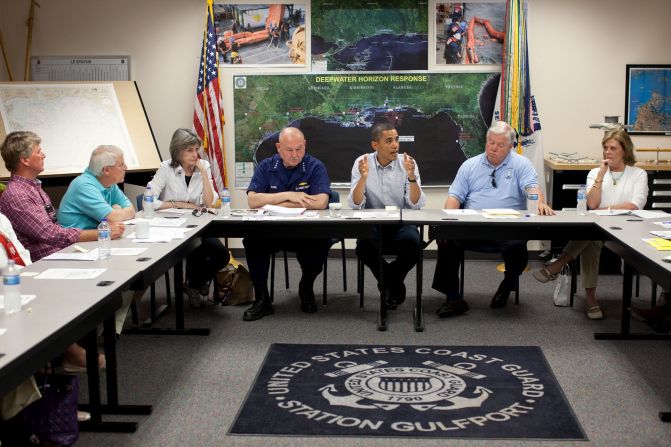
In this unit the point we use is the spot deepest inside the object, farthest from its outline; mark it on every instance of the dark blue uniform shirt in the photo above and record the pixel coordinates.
(309, 176)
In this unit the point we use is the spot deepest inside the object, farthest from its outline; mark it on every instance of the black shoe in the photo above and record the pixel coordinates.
(396, 294)
(452, 308)
(259, 309)
(307, 297)
(500, 298)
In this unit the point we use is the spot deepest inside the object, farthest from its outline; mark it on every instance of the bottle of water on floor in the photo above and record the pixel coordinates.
(148, 202)
(104, 239)
(581, 207)
(12, 288)
(225, 210)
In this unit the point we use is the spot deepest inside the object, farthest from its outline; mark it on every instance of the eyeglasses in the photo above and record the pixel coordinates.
(493, 176)
(202, 210)
(51, 212)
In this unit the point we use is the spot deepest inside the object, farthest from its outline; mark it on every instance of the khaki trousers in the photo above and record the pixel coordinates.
(590, 253)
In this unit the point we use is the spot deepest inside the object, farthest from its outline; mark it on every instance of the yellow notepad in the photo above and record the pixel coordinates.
(660, 244)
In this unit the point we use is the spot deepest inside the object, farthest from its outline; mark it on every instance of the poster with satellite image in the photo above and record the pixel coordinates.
(442, 118)
(648, 99)
(382, 35)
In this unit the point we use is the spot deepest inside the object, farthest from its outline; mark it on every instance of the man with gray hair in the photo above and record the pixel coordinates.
(94, 195)
(497, 178)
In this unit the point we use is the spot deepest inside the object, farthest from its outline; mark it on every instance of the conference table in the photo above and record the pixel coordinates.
(53, 320)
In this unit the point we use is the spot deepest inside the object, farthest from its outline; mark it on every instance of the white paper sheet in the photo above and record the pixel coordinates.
(70, 274)
(610, 212)
(2, 331)
(176, 210)
(462, 212)
(25, 299)
(93, 254)
(160, 221)
(647, 214)
(500, 216)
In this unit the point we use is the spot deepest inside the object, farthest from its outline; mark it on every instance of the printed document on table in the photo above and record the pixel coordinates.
(647, 214)
(610, 212)
(161, 234)
(159, 222)
(275, 210)
(70, 274)
(372, 214)
(462, 212)
(501, 212)
(25, 299)
(93, 254)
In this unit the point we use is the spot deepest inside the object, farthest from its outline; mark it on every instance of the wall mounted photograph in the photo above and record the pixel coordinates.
(260, 34)
(383, 35)
(441, 118)
(648, 99)
(469, 33)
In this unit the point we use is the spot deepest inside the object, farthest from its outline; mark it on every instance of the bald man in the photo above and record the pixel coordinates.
(292, 179)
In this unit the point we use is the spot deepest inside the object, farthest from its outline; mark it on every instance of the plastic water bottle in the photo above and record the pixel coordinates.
(532, 202)
(581, 207)
(148, 202)
(11, 282)
(225, 210)
(104, 239)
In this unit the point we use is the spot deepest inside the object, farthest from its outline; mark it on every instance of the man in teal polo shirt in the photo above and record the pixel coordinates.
(95, 194)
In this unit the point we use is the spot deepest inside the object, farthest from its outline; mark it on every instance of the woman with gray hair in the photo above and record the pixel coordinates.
(185, 181)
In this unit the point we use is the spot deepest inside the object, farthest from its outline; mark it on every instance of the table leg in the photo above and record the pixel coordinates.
(382, 317)
(418, 314)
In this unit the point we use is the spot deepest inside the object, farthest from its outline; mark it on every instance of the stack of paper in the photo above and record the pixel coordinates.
(662, 234)
(659, 244)
(283, 211)
(500, 213)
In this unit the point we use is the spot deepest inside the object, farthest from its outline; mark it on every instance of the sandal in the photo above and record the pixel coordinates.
(594, 313)
(543, 275)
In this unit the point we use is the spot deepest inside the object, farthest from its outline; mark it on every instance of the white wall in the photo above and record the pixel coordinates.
(578, 53)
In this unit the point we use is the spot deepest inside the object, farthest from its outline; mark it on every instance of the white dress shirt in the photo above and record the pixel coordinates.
(169, 184)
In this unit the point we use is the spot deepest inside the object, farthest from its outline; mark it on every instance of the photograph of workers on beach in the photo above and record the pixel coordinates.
(254, 34)
(469, 33)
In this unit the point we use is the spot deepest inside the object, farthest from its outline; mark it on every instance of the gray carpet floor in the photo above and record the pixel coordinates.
(197, 384)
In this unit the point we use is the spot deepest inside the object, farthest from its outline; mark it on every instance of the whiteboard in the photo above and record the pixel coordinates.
(74, 118)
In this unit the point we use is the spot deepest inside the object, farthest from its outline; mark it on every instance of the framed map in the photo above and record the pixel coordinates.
(648, 99)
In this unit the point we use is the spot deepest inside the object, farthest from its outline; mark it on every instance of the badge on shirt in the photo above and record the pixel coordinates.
(302, 186)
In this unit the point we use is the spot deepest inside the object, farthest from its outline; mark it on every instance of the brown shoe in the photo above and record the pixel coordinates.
(658, 318)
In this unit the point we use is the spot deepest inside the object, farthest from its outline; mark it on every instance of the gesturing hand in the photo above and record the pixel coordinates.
(409, 165)
(363, 167)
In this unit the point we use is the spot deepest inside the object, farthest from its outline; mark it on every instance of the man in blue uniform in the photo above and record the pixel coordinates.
(291, 179)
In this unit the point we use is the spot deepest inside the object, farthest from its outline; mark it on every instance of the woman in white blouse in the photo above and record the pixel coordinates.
(615, 184)
(185, 181)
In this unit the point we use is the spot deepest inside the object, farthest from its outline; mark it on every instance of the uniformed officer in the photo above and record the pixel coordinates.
(292, 179)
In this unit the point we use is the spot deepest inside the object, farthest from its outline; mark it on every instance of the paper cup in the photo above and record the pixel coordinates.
(142, 229)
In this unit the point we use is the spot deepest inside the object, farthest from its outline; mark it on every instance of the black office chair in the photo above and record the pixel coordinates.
(517, 280)
(152, 289)
(334, 197)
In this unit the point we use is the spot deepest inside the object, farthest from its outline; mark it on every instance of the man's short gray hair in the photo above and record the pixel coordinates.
(503, 128)
(102, 156)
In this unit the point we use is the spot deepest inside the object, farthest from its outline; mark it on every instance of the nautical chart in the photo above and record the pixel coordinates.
(71, 119)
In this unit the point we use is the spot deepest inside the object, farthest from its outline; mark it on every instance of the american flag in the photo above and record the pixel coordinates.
(208, 116)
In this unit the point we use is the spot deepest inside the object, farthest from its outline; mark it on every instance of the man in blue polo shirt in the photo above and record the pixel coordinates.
(95, 194)
(498, 178)
(291, 179)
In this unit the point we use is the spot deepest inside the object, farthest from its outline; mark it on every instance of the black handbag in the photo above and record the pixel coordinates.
(53, 418)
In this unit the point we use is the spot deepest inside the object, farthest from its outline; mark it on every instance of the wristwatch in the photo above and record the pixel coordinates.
(412, 180)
